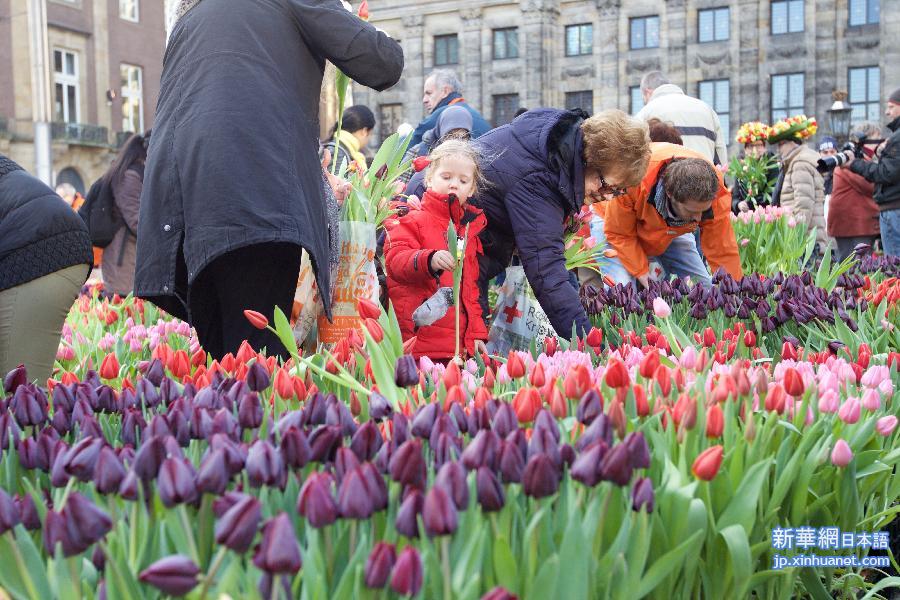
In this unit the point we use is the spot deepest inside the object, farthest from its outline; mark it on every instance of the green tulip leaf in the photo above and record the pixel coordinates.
(665, 565)
(735, 538)
(505, 568)
(742, 508)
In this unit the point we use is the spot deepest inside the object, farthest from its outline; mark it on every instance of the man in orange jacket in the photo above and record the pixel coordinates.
(680, 192)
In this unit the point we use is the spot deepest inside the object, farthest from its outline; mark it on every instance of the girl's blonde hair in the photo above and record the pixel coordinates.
(457, 147)
(613, 140)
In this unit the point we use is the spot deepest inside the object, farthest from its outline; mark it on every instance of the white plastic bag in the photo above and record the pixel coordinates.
(518, 317)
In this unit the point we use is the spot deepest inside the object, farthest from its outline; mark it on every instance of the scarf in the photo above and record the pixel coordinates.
(183, 6)
(663, 207)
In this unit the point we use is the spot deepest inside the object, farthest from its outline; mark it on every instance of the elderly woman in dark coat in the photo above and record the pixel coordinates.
(233, 188)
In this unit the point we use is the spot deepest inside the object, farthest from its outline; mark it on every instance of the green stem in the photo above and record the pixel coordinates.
(353, 525)
(73, 572)
(329, 550)
(217, 562)
(445, 565)
(20, 562)
(189, 533)
(132, 543)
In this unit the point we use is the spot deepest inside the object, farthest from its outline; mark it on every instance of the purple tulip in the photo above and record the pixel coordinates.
(512, 462)
(265, 465)
(237, 527)
(407, 523)
(379, 407)
(338, 414)
(85, 523)
(366, 441)
(109, 471)
(546, 421)
(439, 513)
(541, 477)
(408, 466)
(489, 490)
(173, 575)
(406, 374)
(213, 476)
(278, 552)
(29, 406)
(481, 451)
(15, 378)
(638, 450)
(452, 477)
(250, 412)
(589, 407)
(316, 502)
(323, 442)
(446, 450)
(9, 514)
(149, 457)
(81, 459)
(54, 532)
(586, 467)
(543, 442)
(505, 420)
(642, 495)
(424, 419)
(379, 565)
(407, 576)
(616, 465)
(258, 377)
(295, 448)
(176, 482)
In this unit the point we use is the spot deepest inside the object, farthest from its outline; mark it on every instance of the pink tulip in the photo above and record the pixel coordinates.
(829, 402)
(745, 241)
(589, 242)
(841, 455)
(688, 357)
(871, 400)
(65, 353)
(886, 388)
(885, 425)
(849, 411)
(661, 308)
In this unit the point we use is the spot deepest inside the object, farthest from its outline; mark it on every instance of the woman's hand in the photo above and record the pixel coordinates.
(340, 187)
(442, 261)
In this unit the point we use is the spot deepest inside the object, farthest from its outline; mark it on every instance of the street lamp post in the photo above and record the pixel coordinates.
(839, 117)
(40, 89)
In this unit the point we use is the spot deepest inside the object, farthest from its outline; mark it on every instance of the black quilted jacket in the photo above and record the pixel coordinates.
(39, 233)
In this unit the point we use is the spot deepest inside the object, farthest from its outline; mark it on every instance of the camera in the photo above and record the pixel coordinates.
(857, 140)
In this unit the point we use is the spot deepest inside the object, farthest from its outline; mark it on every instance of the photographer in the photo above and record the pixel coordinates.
(853, 214)
(885, 174)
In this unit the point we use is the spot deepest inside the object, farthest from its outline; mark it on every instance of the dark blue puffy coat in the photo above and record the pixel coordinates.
(535, 182)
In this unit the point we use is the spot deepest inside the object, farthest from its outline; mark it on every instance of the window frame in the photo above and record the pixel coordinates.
(788, 4)
(446, 37)
(724, 123)
(579, 94)
(868, 19)
(515, 106)
(136, 4)
(643, 22)
(868, 102)
(66, 80)
(581, 28)
(128, 93)
(788, 109)
(632, 90)
(713, 13)
(506, 32)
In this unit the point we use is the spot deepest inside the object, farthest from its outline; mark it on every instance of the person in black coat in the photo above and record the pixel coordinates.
(45, 258)
(539, 170)
(233, 188)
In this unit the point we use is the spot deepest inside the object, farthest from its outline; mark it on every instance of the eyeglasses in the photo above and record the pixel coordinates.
(609, 190)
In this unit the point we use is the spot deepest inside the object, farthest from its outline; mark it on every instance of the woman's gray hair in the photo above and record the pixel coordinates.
(870, 128)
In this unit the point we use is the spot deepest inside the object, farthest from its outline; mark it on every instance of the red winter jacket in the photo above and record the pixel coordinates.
(408, 248)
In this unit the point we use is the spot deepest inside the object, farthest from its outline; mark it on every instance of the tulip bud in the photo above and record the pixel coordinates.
(439, 513)
(661, 308)
(379, 407)
(406, 522)
(15, 378)
(642, 495)
(577, 382)
(617, 417)
(589, 407)
(237, 527)
(354, 497)
(265, 465)
(715, 421)
(323, 443)
(423, 422)
(213, 476)
(109, 368)
(406, 374)
(316, 502)
(515, 366)
(586, 467)
(108, 472)
(81, 459)
(175, 482)
(407, 576)
(9, 514)
(841, 455)
(526, 404)
(85, 523)
(481, 451)
(489, 490)
(793, 382)
(250, 411)
(258, 377)
(775, 399)
(174, 575)
(616, 465)
(616, 375)
(278, 551)
(379, 565)
(257, 319)
(707, 464)
(541, 477)
(885, 425)
(849, 411)
(452, 477)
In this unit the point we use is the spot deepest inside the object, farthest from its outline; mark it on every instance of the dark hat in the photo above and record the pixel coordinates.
(827, 143)
(895, 96)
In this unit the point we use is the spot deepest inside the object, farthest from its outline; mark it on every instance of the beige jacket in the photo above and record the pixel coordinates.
(803, 192)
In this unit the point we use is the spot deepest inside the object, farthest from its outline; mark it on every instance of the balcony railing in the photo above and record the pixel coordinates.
(80, 133)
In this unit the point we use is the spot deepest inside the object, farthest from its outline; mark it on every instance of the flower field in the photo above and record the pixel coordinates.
(663, 456)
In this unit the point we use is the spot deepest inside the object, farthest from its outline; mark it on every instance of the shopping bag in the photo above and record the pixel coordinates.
(307, 302)
(355, 278)
(518, 317)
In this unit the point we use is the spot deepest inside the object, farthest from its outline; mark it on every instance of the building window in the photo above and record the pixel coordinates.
(865, 93)
(505, 107)
(65, 86)
(129, 10)
(787, 95)
(579, 39)
(787, 16)
(583, 100)
(714, 25)
(645, 32)
(446, 50)
(132, 98)
(864, 12)
(506, 43)
(637, 99)
(717, 93)
(390, 116)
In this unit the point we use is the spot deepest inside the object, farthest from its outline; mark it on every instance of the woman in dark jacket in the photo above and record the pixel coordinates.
(233, 188)
(539, 170)
(126, 177)
(45, 258)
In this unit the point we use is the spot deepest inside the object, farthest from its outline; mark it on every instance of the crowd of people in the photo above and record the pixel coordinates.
(213, 210)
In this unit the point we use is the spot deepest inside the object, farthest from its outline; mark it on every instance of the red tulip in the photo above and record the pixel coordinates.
(558, 406)
(368, 309)
(640, 400)
(775, 399)
(489, 378)
(793, 382)
(420, 163)
(577, 382)
(363, 11)
(257, 319)
(527, 404)
(550, 346)
(715, 421)
(707, 464)
(109, 368)
(709, 337)
(515, 367)
(685, 412)
(749, 339)
(374, 329)
(284, 384)
(649, 363)
(788, 352)
(595, 338)
(537, 378)
(451, 376)
(616, 375)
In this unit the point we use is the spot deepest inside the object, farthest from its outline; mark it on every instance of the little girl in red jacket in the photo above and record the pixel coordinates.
(418, 262)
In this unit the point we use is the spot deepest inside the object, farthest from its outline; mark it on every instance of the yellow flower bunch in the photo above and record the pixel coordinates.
(797, 126)
(754, 131)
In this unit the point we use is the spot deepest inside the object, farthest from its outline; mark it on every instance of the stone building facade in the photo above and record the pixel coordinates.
(104, 65)
(751, 59)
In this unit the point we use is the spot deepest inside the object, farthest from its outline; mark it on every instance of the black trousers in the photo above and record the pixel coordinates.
(258, 277)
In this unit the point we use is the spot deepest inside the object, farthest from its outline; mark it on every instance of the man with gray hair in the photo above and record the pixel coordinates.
(697, 122)
(443, 89)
